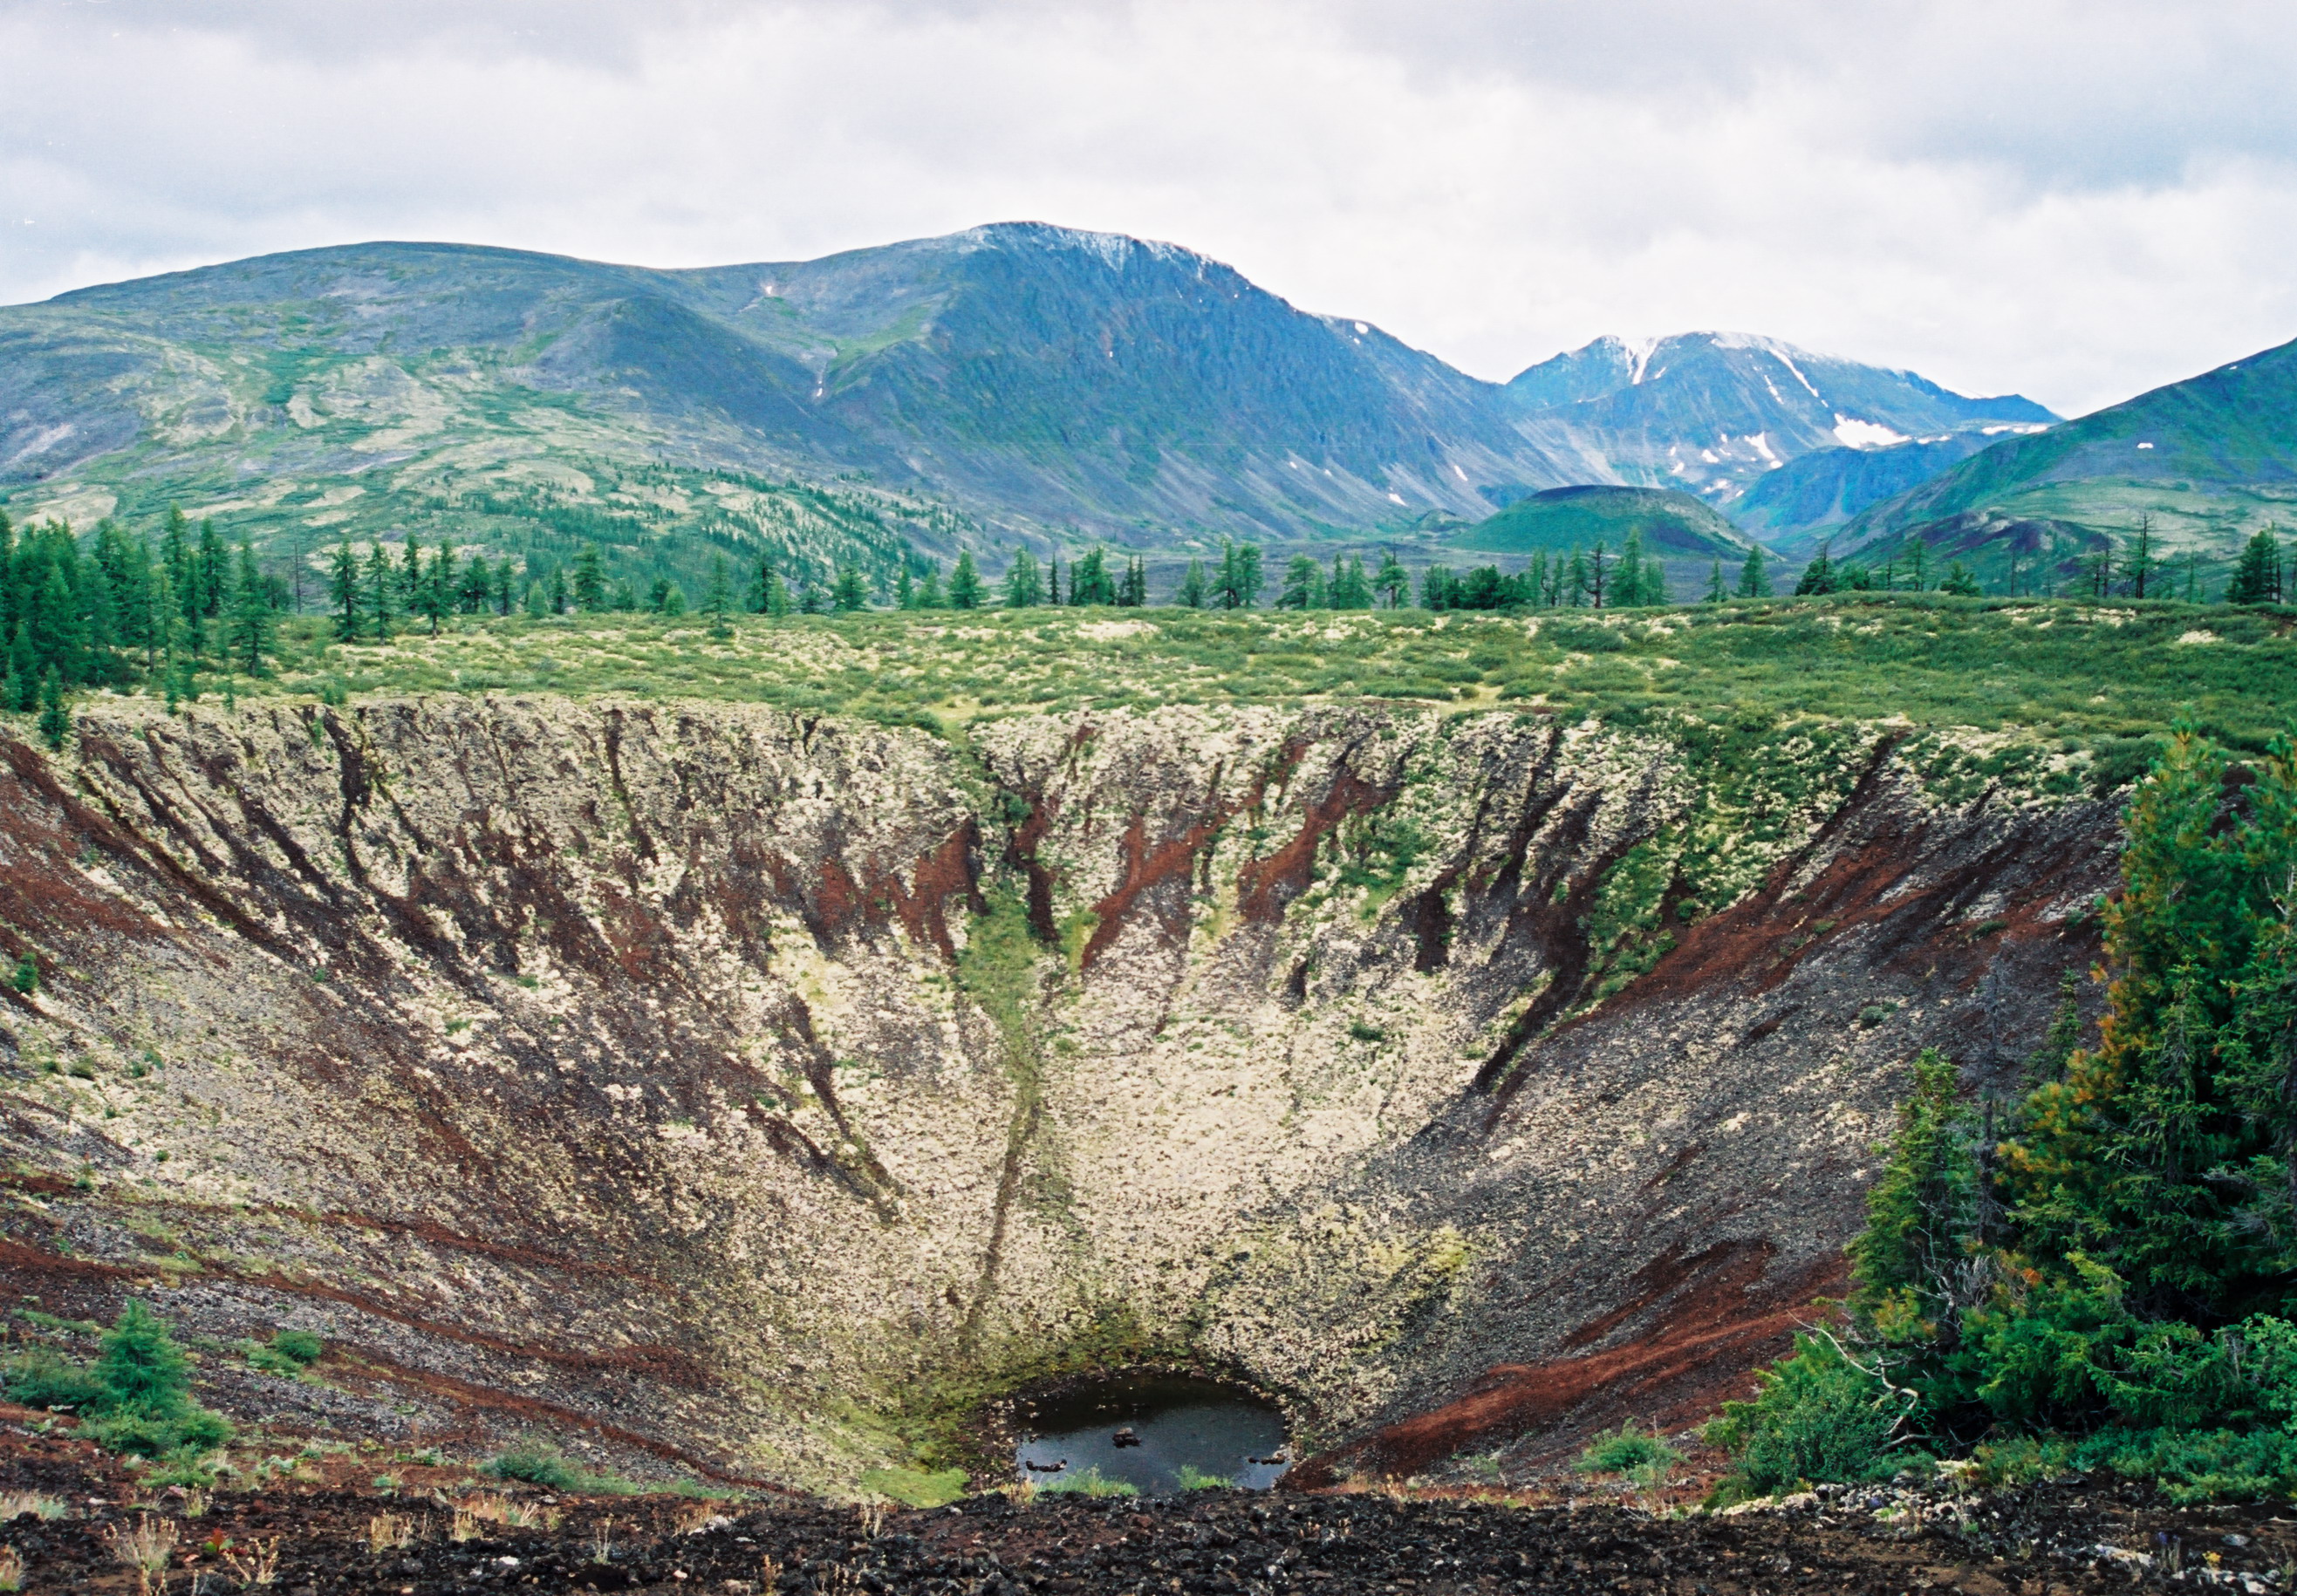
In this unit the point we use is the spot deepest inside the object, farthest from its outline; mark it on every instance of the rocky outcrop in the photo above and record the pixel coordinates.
(734, 1088)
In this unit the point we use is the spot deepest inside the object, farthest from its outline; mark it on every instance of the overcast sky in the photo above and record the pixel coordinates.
(2076, 202)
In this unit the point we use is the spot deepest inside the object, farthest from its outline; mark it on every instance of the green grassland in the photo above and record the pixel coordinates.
(2096, 674)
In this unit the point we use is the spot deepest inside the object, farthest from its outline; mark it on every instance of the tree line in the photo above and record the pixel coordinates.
(110, 609)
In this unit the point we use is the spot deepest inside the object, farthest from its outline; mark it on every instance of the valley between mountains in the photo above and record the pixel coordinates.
(750, 1095)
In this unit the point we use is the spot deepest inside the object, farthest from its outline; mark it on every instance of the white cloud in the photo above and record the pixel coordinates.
(2075, 202)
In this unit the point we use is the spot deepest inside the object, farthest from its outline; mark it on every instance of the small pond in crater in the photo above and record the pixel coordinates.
(1144, 1430)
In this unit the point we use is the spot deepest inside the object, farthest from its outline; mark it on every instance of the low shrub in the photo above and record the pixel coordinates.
(538, 1465)
(1628, 1451)
(1818, 1417)
(300, 1346)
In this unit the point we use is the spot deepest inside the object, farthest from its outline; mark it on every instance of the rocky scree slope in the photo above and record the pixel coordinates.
(747, 1088)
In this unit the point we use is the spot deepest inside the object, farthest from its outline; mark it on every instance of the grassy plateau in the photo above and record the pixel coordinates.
(2092, 673)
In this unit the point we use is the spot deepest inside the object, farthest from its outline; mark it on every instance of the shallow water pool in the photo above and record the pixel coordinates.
(1213, 1432)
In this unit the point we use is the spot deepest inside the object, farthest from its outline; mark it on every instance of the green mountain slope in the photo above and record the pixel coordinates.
(1011, 379)
(1674, 526)
(2206, 461)
(1793, 507)
(1012, 383)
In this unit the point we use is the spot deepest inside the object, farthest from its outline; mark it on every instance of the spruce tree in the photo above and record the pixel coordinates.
(1022, 588)
(343, 591)
(1303, 584)
(382, 591)
(2257, 574)
(1392, 582)
(1193, 589)
(175, 561)
(929, 593)
(965, 592)
(905, 591)
(253, 623)
(590, 580)
(212, 571)
(717, 598)
(1754, 578)
(55, 724)
(1715, 594)
(1628, 587)
(1818, 577)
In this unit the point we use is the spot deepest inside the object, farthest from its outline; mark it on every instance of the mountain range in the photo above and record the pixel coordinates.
(1013, 382)
(2201, 463)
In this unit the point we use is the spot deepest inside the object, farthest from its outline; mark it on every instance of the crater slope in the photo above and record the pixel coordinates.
(754, 1090)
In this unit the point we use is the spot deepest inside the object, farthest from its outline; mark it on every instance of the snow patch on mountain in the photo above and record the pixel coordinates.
(1855, 433)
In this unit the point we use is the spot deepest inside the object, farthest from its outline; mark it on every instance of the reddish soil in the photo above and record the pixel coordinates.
(1719, 1317)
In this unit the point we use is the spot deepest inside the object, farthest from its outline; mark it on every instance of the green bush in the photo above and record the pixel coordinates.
(270, 1360)
(2211, 1465)
(300, 1346)
(538, 1465)
(41, 1378)
(1817, 1417)
(1628, 1451)
(135, 1398)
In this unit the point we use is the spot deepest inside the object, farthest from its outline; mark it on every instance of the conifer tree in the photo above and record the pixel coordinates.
(590, 580)
(343, 592)
(1089, 582)
(852, 592)
(213, 570)
(1392, 582)
(1715, 593)
(1304, 585)
(1627, 586)
(382, 591)
(1194, 591)
(2257, 574)
(55, 723)
(717, 598)
(251, 620)
(175, 561)
(964, 591)
(1818, 577)
(1754, 578)
(929, 593)
(905, 591)
(1021, 586)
